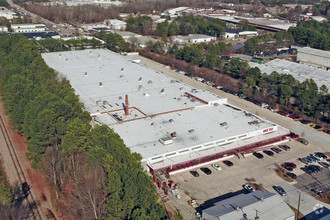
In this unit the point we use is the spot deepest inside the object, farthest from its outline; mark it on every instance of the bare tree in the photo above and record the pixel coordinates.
(89, 195)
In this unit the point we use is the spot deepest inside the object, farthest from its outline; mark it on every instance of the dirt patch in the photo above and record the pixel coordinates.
(323, 198)
(281, 172)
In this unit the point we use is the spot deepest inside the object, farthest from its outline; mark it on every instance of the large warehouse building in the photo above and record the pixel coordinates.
(314, 57)
(172, 125)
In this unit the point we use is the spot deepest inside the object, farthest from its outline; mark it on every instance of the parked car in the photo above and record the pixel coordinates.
(296, 117)
(216, 166)
(290, 164)
(285, 147)
(258, 155)
(294, 136)
(315, 126)
(288, 168)
(324, 164)
(292, 116)
(206, 170)
(326, 131)
(228, 163)
(194, 173)
(280, 190)
(306, 160)
(248, 188)
(303, 141)
(305, 121)
(292, 175)
(317, 191)
(269, 153)
(320, 155)
(312, 169)
(312, 158)
(276, 150)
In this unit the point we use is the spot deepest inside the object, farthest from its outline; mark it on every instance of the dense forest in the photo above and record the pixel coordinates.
(3, 3)
(92, 173)
(312, 33)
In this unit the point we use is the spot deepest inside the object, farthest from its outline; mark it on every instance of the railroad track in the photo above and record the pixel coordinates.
(20, 173)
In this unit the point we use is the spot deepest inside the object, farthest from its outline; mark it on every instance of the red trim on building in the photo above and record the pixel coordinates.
(201, 100)
(200, 158)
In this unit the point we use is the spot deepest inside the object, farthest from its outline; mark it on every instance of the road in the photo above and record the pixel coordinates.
(36, 18)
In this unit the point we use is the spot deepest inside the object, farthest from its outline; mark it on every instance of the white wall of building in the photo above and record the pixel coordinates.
(3, 29)
(28, 28)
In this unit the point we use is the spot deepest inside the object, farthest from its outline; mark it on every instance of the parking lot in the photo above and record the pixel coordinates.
(207, 189)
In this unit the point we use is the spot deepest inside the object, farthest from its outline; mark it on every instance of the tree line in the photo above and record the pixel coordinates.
(312, 33)
(272, 88)
(3, 3)
(92, 173)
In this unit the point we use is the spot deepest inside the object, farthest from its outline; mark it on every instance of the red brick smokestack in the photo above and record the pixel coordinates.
(126, 105)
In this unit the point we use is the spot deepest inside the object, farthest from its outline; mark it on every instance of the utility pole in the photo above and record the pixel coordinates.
(298, 207)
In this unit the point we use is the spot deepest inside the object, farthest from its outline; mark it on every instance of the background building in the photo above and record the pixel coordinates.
(314, 57)
(115, 24)
(26, 28)
(193, 39)
(9, 15)
(299, 71)
(3, 29)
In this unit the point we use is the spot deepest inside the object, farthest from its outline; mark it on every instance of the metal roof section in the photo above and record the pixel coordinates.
(299, 71)
(168, 122)
(244, 206)
(315, 52)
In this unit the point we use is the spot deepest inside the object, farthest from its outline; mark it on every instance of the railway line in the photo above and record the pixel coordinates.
(32, 204)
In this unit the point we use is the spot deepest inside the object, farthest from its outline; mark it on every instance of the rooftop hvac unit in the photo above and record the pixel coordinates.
(60, 55)
(140, 87)
(173, 135)
(122, 70)
(191, 131)
(140, 79)
(166, 141)
(162, 91)
(100, 84)
(223, 124)
(121, 76)
(90, 53)
(85, 73)
(120, 98)
(98, 57)
(66, 60)
(149, 82)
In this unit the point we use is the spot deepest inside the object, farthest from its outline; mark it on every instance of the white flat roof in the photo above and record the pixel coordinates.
(158, 106)
(299, 71)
